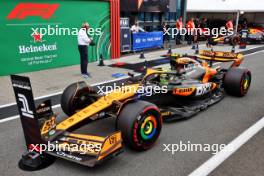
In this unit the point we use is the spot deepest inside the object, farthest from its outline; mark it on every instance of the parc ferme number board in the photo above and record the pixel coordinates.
(25, 49)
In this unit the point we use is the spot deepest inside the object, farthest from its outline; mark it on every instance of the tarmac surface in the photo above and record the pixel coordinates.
(219, 124)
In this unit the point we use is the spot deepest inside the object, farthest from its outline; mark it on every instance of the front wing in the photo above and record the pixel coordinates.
(87, 150)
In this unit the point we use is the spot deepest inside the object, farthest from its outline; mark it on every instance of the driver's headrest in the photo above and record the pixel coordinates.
(183, 60)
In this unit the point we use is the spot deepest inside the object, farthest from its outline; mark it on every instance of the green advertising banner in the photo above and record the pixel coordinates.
(37, 35)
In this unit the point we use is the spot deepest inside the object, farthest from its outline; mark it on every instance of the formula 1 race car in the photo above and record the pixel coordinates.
(232, 40)
(138, 123)
(138, 107)
(253, 36)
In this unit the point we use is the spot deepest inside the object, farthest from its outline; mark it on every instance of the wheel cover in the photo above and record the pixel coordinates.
(245, 83)
(148, 128)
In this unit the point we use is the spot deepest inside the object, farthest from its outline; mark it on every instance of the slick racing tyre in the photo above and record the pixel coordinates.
(237, 81)
(140, 123)
(76, 97)
(234, 40)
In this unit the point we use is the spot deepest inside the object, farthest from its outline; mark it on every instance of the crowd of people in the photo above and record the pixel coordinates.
(191, 25)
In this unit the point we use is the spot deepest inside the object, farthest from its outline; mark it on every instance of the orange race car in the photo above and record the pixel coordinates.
(138, 106)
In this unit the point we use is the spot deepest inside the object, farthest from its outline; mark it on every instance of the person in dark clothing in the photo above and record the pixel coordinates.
(190, 26)
(166, 37)
(179, 28)
(203, 23)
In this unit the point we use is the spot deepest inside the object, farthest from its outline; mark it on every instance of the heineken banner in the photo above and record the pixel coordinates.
(38, 35)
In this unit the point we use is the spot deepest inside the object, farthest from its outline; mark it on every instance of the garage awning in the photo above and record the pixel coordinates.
(225, 5)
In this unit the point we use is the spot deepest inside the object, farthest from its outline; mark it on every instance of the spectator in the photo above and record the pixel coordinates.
(197, 24)
(190, 26)
(179, 28)
(83, 44)
(136, 28)
(204, 23)
(166, 36)
(245, 24)
(229, 25)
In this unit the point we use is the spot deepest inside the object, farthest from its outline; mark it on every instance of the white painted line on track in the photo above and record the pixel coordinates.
(17, 116)
(9, 118)
(6, 105)
(261, 51)
(251, 48)
(212, 163)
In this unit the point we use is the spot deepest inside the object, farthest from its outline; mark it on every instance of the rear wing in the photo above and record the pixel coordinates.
(176, 55)
(211, 56)
(220, 56)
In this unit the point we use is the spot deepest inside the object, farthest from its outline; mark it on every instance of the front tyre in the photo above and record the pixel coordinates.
(237, 81)
(76, 97)
(140, 123)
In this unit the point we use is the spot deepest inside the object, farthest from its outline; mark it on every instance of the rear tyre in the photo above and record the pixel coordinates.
(140, 123)
(76, 97)
(237, 81)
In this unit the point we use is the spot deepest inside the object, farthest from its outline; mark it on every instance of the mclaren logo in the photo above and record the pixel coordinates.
(25, 108)
(23, 10)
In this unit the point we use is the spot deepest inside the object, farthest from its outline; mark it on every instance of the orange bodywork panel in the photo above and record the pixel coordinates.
(101, 104)
(209, 73)
(110, 144)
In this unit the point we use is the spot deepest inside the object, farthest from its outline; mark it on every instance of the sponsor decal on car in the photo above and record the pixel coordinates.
(203, 89)
(183, 91)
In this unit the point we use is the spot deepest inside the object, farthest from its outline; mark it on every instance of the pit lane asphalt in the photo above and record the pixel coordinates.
(220, 124)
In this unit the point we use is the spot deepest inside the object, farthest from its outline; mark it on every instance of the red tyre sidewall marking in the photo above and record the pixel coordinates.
(135, 129)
